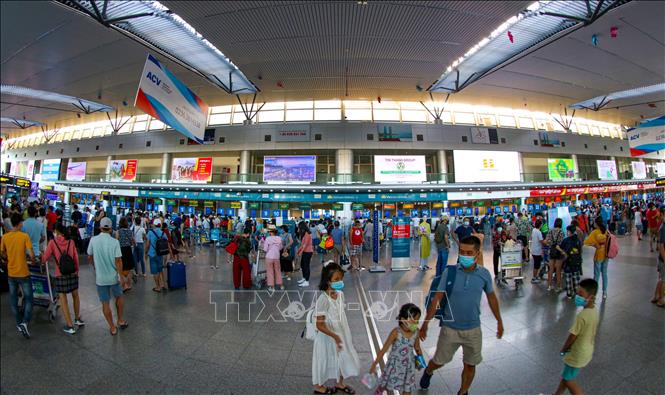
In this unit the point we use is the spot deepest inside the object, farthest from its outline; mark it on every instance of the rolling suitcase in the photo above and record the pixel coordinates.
(622, 229)
(176, 274)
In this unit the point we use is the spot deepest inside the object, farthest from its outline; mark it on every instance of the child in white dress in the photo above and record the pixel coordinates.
(334, 357)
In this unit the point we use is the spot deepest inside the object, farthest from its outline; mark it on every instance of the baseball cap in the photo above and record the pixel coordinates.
(323, 231)
(157, 222)
(106, 223)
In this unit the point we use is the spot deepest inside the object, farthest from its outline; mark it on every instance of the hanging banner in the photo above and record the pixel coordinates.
(639, 170)
(163, 96)
(122, 170)
(196, 170)
(647, 137)
(561, 169)
(401, 244)
(75, 171)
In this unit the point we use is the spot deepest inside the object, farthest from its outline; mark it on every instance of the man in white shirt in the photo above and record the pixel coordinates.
(536, 250)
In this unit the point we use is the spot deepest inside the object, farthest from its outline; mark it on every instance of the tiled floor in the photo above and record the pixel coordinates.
(174, 344)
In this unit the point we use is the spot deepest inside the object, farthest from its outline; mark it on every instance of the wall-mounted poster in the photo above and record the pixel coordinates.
(639, 170)
(198, 170)
(394, 132)
(486, 166)
(561, 169)
(292, 135)
(660, 169)
(123, 170)
(484, 136)
(50, 170)
(396, 169)
(607, 170)
(289, 169)
(549, 140)
(75, 171)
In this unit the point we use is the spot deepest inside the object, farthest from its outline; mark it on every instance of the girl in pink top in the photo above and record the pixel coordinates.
(273, 247)
(67, 283)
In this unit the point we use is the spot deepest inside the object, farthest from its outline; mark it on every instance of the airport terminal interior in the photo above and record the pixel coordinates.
(297, 197)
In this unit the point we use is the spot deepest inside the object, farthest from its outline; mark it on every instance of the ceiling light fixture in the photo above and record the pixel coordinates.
(158, 28)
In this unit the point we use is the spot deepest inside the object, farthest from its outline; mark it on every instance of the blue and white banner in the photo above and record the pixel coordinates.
(50, 170)
(163, 96)
(647, 137)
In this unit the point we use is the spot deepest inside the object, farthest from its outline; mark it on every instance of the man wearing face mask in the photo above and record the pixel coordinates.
(463, 231)
(460, 324)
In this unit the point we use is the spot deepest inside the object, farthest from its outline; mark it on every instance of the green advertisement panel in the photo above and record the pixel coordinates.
(561, 169)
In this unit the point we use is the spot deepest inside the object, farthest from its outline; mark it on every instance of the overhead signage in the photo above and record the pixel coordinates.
(163, 96)
(486, 166)
(289, 169)
(395, 169)
(660, 182)
(239, 205)
(252, 205)
(22, 182)
(388, 206)
(647, 137)
(208, 203)
(289, 136)
(122, 170)
(357, 206)
(337, 206)
(283, 206)
(396, 132)
(50, 170)
(299, 197)
(195, 170)
(639, 170)
(561, 169)
(552, 192)
(75, 171)
(607, 170)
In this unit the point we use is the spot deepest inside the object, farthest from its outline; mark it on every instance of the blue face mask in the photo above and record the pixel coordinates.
(580, 301)
(337, 285)
(466, 261)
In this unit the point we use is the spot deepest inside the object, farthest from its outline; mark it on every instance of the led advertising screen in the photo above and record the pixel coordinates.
(122, 170)
(50, 170)
(482, 166)
(396, 169)
(639, 170)
(561, 169)
(197, 170)
(289, 169)
(607, 170)
(75, 171)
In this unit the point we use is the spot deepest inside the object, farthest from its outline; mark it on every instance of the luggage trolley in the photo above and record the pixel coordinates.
(259, 273)
(510, 264)
(42, 291)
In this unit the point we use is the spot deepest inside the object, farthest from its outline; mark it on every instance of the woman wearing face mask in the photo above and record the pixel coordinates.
(424, 231)
(333, 357)
(499, 237)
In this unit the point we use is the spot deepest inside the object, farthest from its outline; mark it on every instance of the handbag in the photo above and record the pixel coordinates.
(232, 247)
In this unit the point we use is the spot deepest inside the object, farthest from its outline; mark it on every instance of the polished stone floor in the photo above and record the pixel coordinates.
(190, 341)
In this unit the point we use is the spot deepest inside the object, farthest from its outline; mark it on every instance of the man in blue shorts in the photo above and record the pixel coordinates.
(156, 261)
(104, 252)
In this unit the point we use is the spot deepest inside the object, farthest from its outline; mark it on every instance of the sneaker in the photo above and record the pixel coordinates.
(363, 268)
(604, 296)
(535, 281)
(304, 284)
(79, 322)
(570, 297)
(23, 328)
(271, 289)
(549, 288)
(302, 280)
(69, 329)
(425, 380)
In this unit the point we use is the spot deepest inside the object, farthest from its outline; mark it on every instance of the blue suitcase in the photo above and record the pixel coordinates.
(622, 229)
(176, 274)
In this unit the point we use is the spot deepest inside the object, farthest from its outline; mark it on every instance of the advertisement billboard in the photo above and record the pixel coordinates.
(122, 170)
(198, 170)
(481, 166)
(289, 169)
(23, 168)
(660, 169)
(548, 140)
(396, 169)
(607, 170)
(75, 171)
(50, 170)
(639, 170)
(561, 169)
(163, 96)
(394, 132)
(647, 137)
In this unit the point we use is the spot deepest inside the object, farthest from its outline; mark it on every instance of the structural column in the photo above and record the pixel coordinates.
(347, 216)
(344, 166)
(166, 167)
(244, 166)
(242, 212)
(442, 161)
(520, 162)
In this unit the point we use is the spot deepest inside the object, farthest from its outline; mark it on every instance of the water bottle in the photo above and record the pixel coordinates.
(420, 362)
(369, 380)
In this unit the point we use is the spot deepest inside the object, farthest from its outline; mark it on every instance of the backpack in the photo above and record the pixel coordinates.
(329, 243)
(310, 330)
(612, 246)
(66, 263)
(161, 245)
(451, 271)
(356, 236)
(574, 253)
